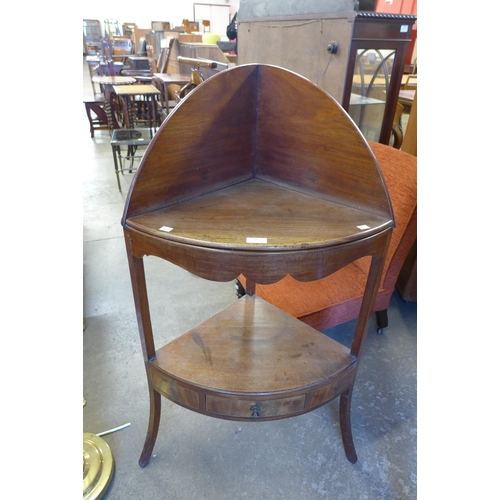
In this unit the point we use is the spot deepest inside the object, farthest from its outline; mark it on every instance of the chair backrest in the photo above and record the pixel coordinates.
(152, 59)
(106, 63)
(165, 55)
(122, 46)
(142, 47)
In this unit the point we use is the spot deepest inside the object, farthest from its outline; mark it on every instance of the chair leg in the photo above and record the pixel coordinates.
(154, 424)
(382, 321)
(89, 116)
(345, 425)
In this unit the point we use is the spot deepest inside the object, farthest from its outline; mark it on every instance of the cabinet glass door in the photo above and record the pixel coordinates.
(370, 88)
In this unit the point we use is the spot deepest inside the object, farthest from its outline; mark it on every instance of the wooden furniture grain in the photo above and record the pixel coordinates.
(190, 38)
(272, 180)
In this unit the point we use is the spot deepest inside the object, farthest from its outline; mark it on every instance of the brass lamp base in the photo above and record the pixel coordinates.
(98, 466)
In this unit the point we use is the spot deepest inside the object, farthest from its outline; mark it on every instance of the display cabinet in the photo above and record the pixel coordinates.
(374, 71)
(92, 36)
(357, 57)
(271, 179)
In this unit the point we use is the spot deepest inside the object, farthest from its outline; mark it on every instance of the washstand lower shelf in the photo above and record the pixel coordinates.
(252, 361)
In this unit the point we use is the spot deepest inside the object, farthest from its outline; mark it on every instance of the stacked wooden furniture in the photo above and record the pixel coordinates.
(271, 179)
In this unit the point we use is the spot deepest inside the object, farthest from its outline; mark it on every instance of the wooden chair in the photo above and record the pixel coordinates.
(96, 114)
(107, 65)
(165, 54)
(275, 179)
(190, 26)
(206, 25)
(337, 298)
(161, 65)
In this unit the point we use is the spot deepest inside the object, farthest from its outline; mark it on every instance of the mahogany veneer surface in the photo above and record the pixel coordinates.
(287, 219)
(253, 347)
(256, 172)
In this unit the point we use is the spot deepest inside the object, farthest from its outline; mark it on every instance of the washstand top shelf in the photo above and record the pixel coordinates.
(258, 158)
(259, 215)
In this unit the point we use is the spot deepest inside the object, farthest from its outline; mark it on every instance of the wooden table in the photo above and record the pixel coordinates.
(274, 180)
(134, 96)
(107, 85)
(163, 80)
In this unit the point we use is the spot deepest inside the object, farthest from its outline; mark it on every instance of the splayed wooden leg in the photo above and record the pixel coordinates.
(345, 425)
(154, 424)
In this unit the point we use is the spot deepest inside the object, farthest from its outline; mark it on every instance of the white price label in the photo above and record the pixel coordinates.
(256, 240)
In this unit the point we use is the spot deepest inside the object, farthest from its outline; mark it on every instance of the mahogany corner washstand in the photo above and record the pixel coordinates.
(257, 172)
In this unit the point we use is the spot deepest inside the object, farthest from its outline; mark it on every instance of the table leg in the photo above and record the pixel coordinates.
(116, 156)
(108, 95)
(137, 274)
(128, 112)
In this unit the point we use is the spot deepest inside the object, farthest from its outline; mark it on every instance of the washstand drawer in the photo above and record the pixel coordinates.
(248, 408)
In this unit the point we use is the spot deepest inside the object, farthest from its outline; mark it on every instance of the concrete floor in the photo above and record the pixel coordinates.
(198, 457)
